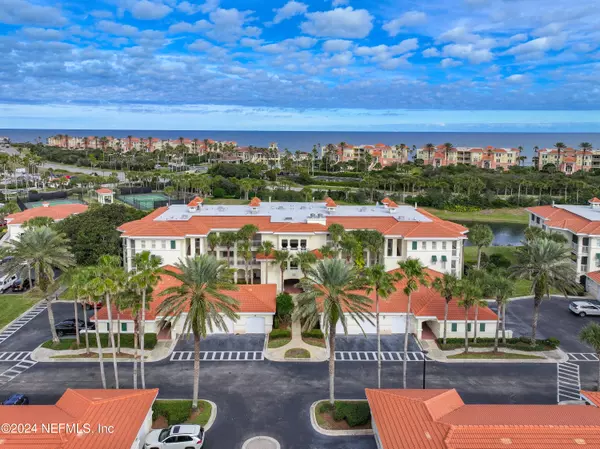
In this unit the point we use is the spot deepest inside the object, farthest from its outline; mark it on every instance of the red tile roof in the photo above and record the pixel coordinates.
(124, 410)
(104, 190)
(594, 201)
(59, 212)
(196, 201)
(256, 298)
(255, 202)
(557, 217)
(594, 276)
(439, 419)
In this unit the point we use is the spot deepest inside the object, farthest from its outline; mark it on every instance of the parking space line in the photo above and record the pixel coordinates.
(568, 384)
(20, 322)
(218, 356)
(582, 357)
(370, 356)
(16, 370)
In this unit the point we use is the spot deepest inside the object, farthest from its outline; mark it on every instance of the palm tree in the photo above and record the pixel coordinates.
(448, 147)
(246, 234)
(245, 251)
(305, 260)
(548, 265)
(281, 258)
(590, 335)
(470, 294)
(200, 299)
(109, 282)
(501, 288)
(480, 235)
(265, 248)
(328, 252)
(585, 147)
(382, 283)
(330, 286)
(336, 231)
(429, 147)
(413, 271)
(75, 281)
(45, 250)
(144, 279)
(447, 286)
(213, 241)
(228, 240)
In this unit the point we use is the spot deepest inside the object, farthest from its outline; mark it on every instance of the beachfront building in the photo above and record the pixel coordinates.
(568, 160)
(489, 157)
(439, 419)
(581, 227)
(179, 231)
(377, 156)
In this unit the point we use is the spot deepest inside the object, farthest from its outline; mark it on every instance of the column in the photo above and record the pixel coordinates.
(201, 245)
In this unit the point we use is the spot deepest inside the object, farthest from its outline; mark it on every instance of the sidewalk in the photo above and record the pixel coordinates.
(316, 354)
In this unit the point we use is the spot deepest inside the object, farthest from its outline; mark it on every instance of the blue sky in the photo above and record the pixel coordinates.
(446, 65)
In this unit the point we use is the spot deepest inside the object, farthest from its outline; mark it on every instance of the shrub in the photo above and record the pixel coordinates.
(521, 343)
(555, 342)
(285, 305)
(355, 413)
(314, 333)
(175, 412)
(280, 333)
(219, 192)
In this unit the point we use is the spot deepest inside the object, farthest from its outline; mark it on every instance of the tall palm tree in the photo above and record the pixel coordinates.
(305, 260)
(228, 240)
(245, 235)
(245, 252)
(590, 335)
(328, 252)
(45, 250)
(336, 231)
(429, 147)
(448, 147)
(330, 287)
(200, 299)
(144, 279)
(447, 286)
(382, 283)
(75, 281)
(265, 248)
(480, 235)
(213, 241)
(109, 282)
(548, 265)
(281, 258)
(413, 272)
(470, 294)
(585, 147)
(559, 147)
(501, 289)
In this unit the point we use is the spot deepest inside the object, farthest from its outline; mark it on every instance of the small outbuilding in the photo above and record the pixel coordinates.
(105, 196)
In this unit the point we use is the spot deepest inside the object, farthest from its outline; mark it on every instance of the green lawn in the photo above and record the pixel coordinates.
(225, 201)
(506, 251)
(278, 342)
(12, 306)
(67, 343)
(493, 355)
(486, 215)
(180, 411)
(297, 353)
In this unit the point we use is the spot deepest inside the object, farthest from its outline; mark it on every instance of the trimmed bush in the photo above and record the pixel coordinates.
(553, 342)
(175, 412)
(355, 413)
(280, 333)
(521, 343)
(285, 305)
(126, 342)
(314, 333)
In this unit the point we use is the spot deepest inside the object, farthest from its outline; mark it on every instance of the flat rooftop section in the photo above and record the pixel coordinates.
(583, 211)
(289, 212)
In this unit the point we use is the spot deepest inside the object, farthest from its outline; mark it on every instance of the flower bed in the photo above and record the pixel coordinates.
(344, 415)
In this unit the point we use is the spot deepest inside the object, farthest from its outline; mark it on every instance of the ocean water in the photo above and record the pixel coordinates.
(304, 140)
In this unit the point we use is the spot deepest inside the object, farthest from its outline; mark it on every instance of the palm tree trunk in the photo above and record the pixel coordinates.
(475, 324)
(75, 306)
(135, 352)
(466, 330)
(536, 314)
(332, 363)
(405, 350)
(86, 335)
(445, 319)
(497, 327)
(111, 338)
(55, 338)
(99, 343)
(196, 371)
(118, 332)
(142, 338)
(479, 257)
(378, 340)
(504, 324)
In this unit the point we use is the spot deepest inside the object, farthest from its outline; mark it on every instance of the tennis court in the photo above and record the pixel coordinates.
(56, 202)
(144, 201)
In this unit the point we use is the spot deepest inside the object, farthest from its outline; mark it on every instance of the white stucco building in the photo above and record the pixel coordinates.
(180, 231)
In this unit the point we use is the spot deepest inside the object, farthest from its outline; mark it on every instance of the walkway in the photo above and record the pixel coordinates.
(316, 354)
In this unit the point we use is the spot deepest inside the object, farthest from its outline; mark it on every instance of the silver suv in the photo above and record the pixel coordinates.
(583, 308)
(180, 436)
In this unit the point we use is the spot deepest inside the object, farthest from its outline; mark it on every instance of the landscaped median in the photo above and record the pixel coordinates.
(347, 417)
(279, 338)
(167, 412)
(314, 337)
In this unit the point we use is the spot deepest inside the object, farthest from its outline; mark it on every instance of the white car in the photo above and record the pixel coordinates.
(583, 308)
(180, 436)
(7, 282)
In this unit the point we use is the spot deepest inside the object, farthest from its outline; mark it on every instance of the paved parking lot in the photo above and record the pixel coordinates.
(361, 343)
(231, 342)
(555, 321)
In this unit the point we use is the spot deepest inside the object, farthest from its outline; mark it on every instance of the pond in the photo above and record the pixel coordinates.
(505, 234)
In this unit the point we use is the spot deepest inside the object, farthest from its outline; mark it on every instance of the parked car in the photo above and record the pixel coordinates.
(16, 399)
(7, 282)
(583, 308)
(67, 327)
(180, 436)
(20, 285)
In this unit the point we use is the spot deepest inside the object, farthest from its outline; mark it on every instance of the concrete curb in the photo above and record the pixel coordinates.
(247, 443)
(37, 304)
(335, 433)
(561, 356)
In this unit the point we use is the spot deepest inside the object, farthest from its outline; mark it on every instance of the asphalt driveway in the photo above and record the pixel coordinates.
(225, 342)
(555, 321)
(359, 343)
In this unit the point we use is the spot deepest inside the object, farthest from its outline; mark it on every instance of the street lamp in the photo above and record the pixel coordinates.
(425, 352)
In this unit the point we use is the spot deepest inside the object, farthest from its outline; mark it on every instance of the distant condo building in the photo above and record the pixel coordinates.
(489, 157)
(569, 160)
(382, 154)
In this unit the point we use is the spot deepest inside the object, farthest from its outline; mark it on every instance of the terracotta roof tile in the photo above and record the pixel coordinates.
(255, 202)
(59, 212)
(104, 190)
(196, 201)
(594, 276)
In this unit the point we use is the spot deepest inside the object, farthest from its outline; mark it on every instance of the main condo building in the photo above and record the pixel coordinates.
(180, 231)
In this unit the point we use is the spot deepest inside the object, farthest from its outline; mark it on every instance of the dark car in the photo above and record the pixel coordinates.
(16, 399)
(67, 327)
(20, 285)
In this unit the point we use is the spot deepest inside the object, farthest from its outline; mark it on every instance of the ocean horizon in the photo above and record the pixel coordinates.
(304, 140)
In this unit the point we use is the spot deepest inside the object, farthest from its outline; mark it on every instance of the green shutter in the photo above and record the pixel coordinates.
(107, 327)
(444, 259)
(123, 327)
(414, 245)
(173, 244)
(454, 327)
(598, 256)
(481, 327)
(469, 327)
(434, 259)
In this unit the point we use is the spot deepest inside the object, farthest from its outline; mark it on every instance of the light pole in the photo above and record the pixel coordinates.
(424, 351)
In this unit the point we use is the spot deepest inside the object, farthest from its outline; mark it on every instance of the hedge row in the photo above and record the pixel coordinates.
(280, 333)
(355, 413)
(520, 343)
(175, 412)
(126, 342)
(314, 333)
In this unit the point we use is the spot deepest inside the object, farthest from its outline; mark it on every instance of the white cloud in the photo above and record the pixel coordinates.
(449, 62)
(408, 19)
(521, 37)
(290, 9)
(431, 52)
(272, 48)
(467, 51)
(19, 12)
(517, 78)
(405, 46)
(200, 45)
(185, 27)
(335, 3)
(101, 14)
(539, 45)
(458, 34)
(340, 59)
(340, 22)
(117, 29)
(147, 10)
(228, 25)
(250, 42)
(190, 8)
(291, 67)
(301, 42)
(336, 45)
(43, 34)
(394, 63)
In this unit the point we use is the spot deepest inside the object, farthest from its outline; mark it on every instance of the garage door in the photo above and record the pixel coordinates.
(229, 324)
(398, 324)
(354, 329)
(255, 325)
